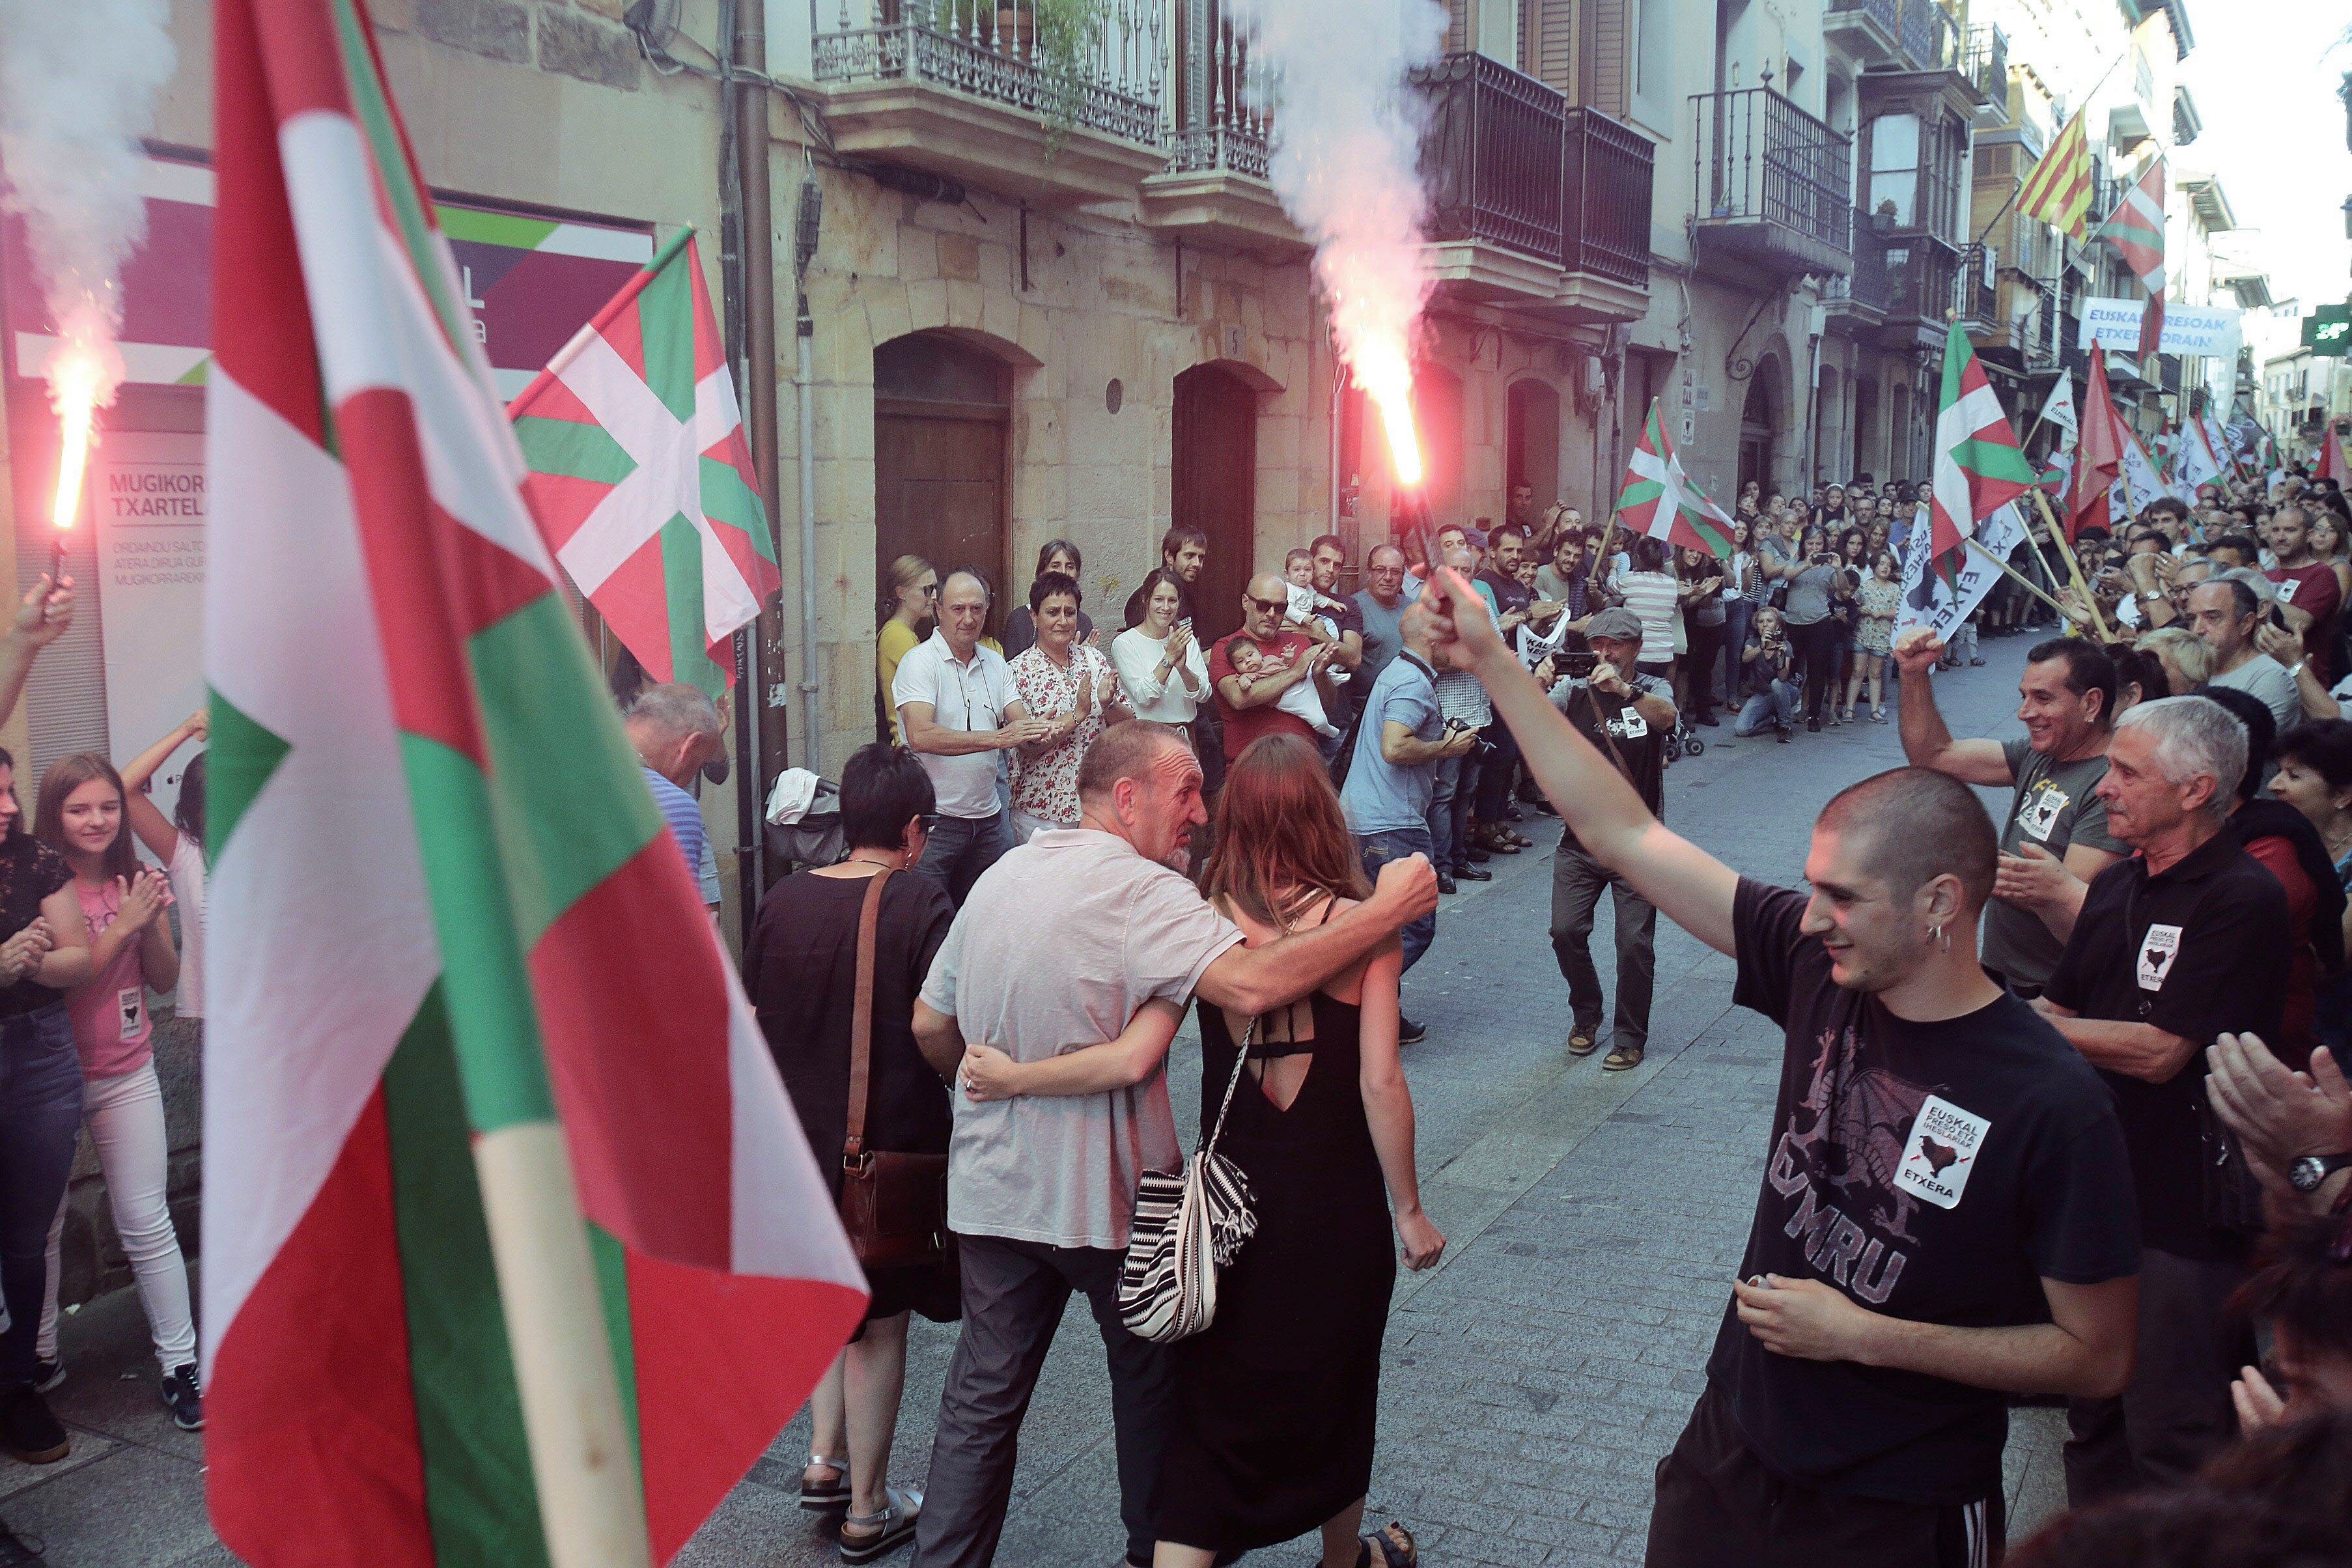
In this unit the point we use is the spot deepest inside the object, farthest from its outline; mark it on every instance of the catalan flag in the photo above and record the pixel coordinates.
(2058, 192)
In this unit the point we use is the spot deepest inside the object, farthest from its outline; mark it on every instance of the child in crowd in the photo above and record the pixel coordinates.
(80, 815)
(1301, 700)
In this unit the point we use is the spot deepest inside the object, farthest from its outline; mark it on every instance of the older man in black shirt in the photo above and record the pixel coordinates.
(1946, 1213)
(2182, 943)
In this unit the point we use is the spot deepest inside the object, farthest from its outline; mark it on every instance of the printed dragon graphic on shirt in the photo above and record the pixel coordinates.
(1837, 1158)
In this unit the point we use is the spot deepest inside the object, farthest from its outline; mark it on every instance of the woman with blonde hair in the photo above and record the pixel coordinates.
(2188, 659)
(910, 604)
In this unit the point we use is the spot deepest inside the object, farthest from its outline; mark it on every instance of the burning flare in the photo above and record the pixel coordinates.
(1380, 368)
(77, 381)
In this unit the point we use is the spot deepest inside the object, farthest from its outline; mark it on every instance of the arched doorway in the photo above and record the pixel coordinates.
(1865, 430)
(1899, 433)
(1531, 441)
(941, 409)
(1214, 488)
(1756, 431)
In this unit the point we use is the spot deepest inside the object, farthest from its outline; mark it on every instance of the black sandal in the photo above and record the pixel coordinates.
(1395, 1547)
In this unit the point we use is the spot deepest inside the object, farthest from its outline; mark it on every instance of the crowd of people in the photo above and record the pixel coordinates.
(2060, 1109)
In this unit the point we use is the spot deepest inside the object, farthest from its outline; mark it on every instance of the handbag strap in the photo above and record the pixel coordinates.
(861, 1022)
(1241, 1059)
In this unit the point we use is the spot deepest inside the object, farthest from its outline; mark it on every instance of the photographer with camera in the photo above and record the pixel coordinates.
(1627, 714)
(1770, 662)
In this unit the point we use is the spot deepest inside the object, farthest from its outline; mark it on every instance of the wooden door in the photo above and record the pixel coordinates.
(1213, 483)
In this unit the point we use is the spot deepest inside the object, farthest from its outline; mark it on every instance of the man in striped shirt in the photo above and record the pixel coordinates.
(675, 730)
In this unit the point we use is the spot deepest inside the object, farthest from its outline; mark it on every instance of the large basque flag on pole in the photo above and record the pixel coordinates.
(514, 1251)
(1980, 467)
(1661, 500)
(641, 479)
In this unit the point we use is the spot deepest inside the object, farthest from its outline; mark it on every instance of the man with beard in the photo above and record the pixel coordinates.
(2055, 836)
(1946, 1216)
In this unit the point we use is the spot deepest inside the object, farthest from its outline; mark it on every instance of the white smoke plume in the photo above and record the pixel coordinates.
(1346, 162)
(78, 86)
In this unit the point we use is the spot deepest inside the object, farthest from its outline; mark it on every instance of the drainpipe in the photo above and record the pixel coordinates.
(759, 746)
(812, 208)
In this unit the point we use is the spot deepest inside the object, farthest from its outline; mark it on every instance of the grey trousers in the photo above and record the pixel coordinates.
(1013, 1295)
(2175, 1414)
(1577, 880)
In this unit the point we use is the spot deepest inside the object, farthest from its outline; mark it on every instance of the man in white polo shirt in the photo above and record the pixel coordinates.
(957, 710)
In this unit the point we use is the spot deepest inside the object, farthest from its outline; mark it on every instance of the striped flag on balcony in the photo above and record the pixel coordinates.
(2136, 229)
(1980, 467)
(2058, 192)
(1661, 500)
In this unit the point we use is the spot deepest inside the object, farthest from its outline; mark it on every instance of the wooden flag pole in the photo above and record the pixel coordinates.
(592, 1507)
(2074, 566)
(2022, 580)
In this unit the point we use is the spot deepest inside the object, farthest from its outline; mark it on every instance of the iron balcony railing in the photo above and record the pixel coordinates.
(1491, 159)
(1762, 158)
(1925, 34)
(1987, 62)
(1886, 12)
(1224, 101)
(1868, 286)
(1509, 163)
(1107, 76)
(1973, 293)
(1605, 184)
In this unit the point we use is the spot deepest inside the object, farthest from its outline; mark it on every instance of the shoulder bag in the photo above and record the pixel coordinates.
(1188, 1224)
(894, 1206)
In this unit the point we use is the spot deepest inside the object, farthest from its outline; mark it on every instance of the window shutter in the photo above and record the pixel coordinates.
(1547, 51)
(1458, 26)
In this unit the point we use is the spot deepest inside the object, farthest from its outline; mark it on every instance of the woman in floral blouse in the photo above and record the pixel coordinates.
(1074, 687)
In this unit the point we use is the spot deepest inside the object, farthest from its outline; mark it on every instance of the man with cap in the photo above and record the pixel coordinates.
(1627, 717)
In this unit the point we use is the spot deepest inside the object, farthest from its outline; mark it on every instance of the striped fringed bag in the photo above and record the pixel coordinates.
(1188, 1224)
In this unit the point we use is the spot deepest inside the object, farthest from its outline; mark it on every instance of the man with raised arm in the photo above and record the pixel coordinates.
(1946, 1216)
(2055, 838)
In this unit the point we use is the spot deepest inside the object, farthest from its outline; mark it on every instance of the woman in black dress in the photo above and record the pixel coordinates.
(800, 969)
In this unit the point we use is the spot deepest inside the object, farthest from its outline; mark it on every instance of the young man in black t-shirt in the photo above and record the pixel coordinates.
(1946, 1215)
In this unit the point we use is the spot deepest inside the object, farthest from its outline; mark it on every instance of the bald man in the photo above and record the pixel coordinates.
(1286, 656)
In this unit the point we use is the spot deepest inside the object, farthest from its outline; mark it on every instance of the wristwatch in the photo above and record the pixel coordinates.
(2305, 1174)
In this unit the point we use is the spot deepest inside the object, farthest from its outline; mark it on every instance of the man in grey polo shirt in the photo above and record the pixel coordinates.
(1061, 944)
(1399, 745)
(957, 711)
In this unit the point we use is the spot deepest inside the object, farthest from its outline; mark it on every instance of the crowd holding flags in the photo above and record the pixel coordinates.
(515, 1250)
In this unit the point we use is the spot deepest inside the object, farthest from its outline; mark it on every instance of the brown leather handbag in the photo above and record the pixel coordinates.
(894, 1206)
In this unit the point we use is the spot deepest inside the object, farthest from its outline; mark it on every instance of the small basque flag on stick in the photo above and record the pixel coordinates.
(1980, 467)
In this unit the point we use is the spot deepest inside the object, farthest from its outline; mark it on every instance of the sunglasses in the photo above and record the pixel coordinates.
(1270, 606)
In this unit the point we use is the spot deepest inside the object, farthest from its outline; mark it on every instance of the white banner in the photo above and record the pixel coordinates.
(148, 494)
(2211, 330)
(2139, 474)
(1928, 601)
(2058, 408)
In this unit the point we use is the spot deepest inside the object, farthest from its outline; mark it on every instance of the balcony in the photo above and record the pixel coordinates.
(1869, 30)
(1775, 184)
(988, 94)
(1926, 35)
(1973, 293)
(1922, 272)
(1213, 189)
(1987, 66)
(1532, 202)
(1857, 303)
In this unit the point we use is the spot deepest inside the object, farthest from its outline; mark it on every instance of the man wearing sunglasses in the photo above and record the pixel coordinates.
(1286, 656)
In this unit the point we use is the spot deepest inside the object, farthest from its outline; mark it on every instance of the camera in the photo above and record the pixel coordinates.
(1575, 664)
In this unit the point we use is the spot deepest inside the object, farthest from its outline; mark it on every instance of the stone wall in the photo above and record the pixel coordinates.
(1101, 303)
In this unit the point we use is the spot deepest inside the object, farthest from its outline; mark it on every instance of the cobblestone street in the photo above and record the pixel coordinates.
(1531, 1383)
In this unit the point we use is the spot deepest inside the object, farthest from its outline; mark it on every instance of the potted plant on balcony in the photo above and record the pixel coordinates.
(1057, 36)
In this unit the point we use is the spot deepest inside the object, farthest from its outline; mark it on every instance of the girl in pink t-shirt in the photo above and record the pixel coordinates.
(80, 816)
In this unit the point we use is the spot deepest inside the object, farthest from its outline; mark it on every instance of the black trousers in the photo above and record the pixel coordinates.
(2176, 1412)
(1817, 656)
(1718, 1507)
(1707, 645)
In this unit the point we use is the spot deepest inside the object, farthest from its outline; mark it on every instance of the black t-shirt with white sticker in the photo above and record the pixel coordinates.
(1933, 1172)
(2198, 950)
(1638, 744)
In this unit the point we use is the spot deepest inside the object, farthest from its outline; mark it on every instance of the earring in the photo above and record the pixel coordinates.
(1939, 936)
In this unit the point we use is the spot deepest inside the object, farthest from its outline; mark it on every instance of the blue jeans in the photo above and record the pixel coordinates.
(1377, 850)
(1450, 795)
(40, 1117)
(1765, 709)
(961, 847)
